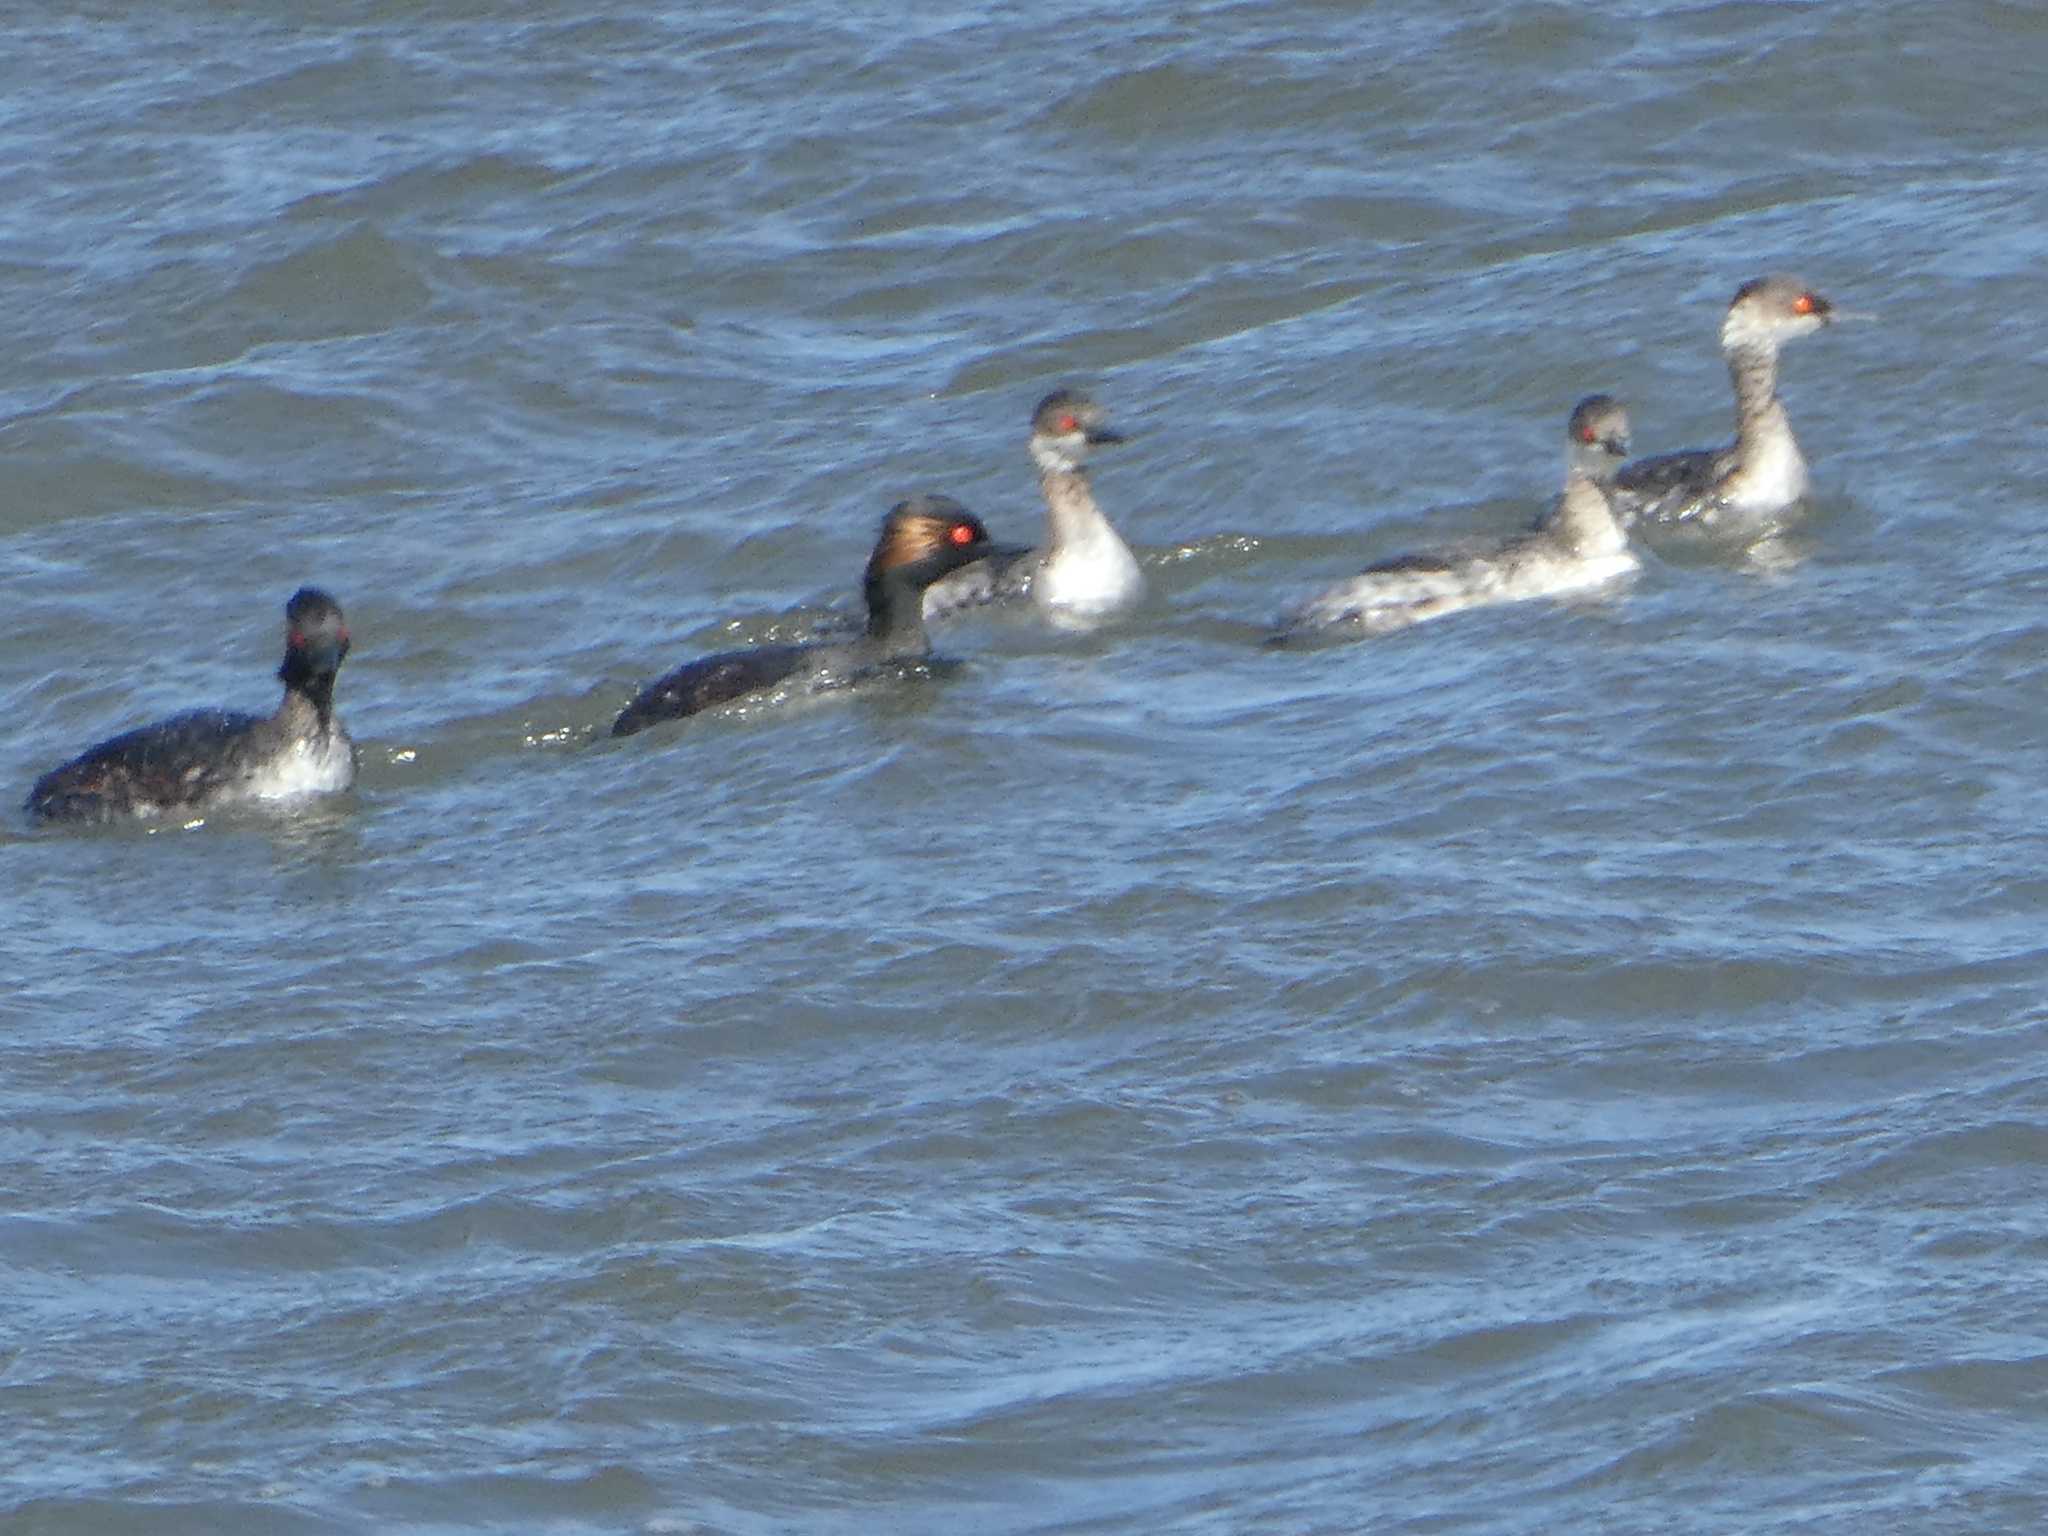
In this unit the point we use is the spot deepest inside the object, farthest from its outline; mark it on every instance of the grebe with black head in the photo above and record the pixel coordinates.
(922, 539)
(208, 758)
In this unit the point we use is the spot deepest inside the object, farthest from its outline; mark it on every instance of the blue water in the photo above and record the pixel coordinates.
(1567, 1066)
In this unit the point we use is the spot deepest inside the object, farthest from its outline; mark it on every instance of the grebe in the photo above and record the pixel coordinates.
(1577, 544)
(1085, 572)
(922, 539)
(213, 757)
(1762, 472)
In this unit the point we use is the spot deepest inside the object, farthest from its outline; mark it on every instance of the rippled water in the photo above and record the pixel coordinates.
(1568, 1067)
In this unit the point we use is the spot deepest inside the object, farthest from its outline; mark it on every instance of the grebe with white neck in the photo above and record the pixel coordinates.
(1577, 545)
(1762, 473)
(1084, 573)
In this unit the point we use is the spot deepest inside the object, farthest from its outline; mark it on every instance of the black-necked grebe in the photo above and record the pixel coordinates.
(1762, 472)
(922, 539)
(1085, 572)
(1576, 545)
(208, 758)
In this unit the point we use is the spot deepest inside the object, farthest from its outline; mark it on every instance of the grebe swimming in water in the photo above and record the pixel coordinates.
(1577, 544)
(1085, 572)
(922, 539)
(213, 757)
(1762, 472)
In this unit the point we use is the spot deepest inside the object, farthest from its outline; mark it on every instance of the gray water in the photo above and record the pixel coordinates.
(1567, 1067)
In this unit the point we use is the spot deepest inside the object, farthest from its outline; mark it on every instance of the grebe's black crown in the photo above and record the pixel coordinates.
(925, 504)
(1786, 290)
(311, 607)
(1058, 403)
(931, 527)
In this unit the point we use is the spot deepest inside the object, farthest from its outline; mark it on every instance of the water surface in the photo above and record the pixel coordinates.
(1563, 1067)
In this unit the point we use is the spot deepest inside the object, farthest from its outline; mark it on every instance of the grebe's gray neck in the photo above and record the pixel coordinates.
(1072, 517)
(1052, 454)
(1585, 518)
(1759, 413)
(1596, 462)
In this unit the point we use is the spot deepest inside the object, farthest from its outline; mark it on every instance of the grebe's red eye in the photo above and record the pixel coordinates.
(1588, 435)
(1803, 305)
(1070, 423)
(961, 534)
